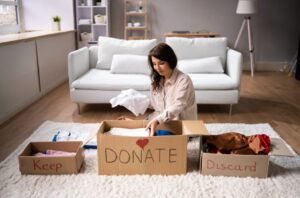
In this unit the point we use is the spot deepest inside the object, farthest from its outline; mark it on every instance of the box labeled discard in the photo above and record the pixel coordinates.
(29, 164)
(241, 165)
(166, 155)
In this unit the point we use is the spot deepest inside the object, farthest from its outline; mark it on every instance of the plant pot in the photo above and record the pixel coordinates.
(55, 26)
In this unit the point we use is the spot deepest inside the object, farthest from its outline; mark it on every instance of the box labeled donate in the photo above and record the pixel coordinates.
(166, 155)
(241, 165)
(29, 164)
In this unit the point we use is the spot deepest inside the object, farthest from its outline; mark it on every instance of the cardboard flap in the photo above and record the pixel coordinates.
(91, 135)
(278, 147)
(194, 128)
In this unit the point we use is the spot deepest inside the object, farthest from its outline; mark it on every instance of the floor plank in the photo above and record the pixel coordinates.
(269, 97)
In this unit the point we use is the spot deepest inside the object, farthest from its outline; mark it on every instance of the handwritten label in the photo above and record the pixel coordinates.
(38, 165)
(125, 156)
(211, 164)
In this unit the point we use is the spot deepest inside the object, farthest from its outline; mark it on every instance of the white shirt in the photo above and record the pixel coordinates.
(175, 100)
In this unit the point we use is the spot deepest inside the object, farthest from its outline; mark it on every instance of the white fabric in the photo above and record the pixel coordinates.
(138, 132)
(78, 63)
(63, 135)
(191, 48)
(97, 79)
(212, 82)
(111, 46)
(234, 66)
(284, 178)
(130, 64)
(201, 65)
(132, 100)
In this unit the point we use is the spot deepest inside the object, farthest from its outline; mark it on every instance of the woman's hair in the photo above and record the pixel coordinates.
(163, 52)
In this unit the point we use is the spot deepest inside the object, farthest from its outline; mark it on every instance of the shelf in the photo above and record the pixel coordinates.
(91, 7)
(135, 13)
(88, 13)
(136, 28)
(192, 34)
(133, 16)
(136, 38)
(84, 24)
(84, 6)
(104, 24)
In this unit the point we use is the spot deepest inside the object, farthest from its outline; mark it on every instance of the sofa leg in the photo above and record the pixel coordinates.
(230, 109)
(78, 108)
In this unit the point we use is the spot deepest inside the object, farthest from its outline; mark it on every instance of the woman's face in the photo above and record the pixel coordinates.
(162, 67)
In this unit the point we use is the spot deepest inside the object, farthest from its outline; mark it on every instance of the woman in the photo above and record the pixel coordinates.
(172, 93)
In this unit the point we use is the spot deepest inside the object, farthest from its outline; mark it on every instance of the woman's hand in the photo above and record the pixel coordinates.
(152, 126)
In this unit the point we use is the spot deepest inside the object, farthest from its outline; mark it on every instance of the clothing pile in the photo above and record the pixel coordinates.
(54, 153)
(236, 143)
(138, 132)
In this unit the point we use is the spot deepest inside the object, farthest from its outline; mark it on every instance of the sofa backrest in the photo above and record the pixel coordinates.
(108, 47)
(193, 48)
(93, 51)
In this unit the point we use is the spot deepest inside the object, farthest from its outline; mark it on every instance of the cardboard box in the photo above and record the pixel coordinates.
(29, 164)
(166, 155)
(241, 165)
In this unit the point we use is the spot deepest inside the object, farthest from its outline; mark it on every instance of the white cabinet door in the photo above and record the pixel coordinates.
(19, 83)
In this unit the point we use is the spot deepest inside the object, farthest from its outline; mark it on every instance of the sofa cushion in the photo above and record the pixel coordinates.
(110, 46)
(130, 64)
(192, 48)
(213, 82)
(201, 65)
(97, 79)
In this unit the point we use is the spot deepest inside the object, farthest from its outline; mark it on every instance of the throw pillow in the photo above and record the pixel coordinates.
(110, 46)
(202, 65)
(192, 48)
(129, 64)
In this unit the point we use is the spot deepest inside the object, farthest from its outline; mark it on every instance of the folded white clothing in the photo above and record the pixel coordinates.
(138, 132)
(131, 99)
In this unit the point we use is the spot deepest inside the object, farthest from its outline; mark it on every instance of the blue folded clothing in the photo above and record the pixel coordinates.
(163, 132)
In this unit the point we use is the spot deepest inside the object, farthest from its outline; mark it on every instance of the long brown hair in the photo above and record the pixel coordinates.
(163, 52)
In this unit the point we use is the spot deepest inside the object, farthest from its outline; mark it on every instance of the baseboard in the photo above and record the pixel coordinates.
(265, 66)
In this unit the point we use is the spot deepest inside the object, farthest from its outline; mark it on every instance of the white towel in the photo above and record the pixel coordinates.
(131, 99)
(138, 132)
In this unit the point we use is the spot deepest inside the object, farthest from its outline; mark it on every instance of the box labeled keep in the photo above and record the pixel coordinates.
(166, 155)
(30, 164)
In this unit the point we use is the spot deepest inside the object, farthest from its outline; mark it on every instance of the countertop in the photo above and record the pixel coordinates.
(19, 37)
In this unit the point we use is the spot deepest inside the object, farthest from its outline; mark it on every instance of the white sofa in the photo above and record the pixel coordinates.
(90, 83)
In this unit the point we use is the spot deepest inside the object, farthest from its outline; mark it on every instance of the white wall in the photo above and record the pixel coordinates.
(38, 14)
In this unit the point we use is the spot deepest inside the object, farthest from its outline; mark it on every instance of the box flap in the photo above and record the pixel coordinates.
(278, 147)
(194, 128)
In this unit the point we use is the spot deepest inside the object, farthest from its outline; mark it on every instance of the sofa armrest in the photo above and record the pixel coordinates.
(234, 65)
(78, 63)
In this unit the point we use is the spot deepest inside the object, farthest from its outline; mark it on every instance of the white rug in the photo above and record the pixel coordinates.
(283, 181)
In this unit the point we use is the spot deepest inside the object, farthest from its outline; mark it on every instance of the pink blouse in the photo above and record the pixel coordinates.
(176, 100)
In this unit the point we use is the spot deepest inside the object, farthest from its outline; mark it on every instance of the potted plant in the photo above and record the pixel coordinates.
(56, 23)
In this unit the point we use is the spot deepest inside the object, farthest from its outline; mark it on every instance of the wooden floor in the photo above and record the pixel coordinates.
(269, 97)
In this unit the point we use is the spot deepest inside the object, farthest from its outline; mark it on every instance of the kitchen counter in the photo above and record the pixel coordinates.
(25, 36)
